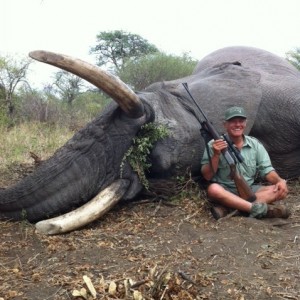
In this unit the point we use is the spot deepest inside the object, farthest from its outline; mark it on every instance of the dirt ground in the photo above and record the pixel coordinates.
(156, 250)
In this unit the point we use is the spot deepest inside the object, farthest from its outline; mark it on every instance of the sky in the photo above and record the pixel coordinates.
(197, 27)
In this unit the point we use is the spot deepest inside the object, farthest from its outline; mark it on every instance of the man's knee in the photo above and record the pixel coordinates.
(214, 190)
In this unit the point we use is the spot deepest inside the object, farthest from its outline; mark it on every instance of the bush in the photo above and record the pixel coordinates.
(156, 67)
(4, 119)
(91, 103)
(33, 106)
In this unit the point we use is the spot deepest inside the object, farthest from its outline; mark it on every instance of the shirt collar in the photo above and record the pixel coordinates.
(246, 141)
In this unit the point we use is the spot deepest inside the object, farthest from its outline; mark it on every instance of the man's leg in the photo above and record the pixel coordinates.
(257, 209)
(220, 195)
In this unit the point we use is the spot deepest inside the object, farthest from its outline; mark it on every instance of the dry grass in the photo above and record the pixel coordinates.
(40, 138)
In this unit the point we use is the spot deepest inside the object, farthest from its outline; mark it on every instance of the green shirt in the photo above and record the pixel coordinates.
(256, 161)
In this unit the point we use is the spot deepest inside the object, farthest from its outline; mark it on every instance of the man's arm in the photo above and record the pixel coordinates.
(267, 171)
(208, 170)
(279, 183)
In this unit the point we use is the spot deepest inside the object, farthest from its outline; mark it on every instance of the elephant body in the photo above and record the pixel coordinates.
(264, 84)
(267, 86)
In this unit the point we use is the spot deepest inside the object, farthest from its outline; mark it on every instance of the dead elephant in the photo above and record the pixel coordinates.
(86, 170)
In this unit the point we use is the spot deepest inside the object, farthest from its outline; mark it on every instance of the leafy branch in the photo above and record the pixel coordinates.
(137, 155)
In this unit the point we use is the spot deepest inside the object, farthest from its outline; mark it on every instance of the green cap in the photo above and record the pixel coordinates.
(234, 111)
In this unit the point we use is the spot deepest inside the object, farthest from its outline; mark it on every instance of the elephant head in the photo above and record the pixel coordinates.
(86, 170)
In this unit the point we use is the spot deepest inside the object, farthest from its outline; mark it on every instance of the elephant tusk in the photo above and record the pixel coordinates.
(87, 213)
(111, 85)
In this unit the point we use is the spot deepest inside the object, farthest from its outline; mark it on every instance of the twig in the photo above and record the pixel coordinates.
(185, 277)
(54, 293)
(163, 294)
(230, 215)
(157, 208)
(139, 283)
(287, 296)
(36, 158)
(192, 215)
(20, 263)
(32, 258)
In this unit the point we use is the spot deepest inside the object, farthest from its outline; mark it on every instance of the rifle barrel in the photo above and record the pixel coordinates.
(185, 85)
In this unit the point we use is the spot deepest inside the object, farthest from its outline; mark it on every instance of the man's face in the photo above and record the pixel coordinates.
(235, 126)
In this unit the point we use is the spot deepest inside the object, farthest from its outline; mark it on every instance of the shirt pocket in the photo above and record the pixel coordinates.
(223, 171)
(248, 168)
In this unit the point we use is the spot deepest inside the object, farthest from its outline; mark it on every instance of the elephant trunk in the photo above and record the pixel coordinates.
(77, 172)
(60, 183)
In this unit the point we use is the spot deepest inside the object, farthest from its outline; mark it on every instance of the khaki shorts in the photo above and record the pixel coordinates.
(254, 188)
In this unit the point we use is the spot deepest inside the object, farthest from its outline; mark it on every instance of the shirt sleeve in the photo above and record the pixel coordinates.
(205, 157)
(264, 165)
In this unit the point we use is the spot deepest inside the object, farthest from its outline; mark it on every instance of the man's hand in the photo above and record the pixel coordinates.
(281, 189)
(218, 146)
(209, 170)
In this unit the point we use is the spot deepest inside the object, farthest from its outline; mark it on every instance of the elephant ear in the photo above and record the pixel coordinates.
(225, 85)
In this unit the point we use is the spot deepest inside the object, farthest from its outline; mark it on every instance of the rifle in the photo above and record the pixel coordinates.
(231, 153)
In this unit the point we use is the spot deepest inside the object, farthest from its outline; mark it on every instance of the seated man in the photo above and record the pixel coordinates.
(222, 190)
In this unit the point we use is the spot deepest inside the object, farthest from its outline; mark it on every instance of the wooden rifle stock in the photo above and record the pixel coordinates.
(242, 186)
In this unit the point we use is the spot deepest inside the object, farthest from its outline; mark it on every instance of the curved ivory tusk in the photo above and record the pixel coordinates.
(114, 87)
(87, 213)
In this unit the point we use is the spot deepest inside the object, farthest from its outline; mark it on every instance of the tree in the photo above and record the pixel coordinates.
(68, 86)
(156, 67)
(12, 73)
(116, 47)
(294, 57)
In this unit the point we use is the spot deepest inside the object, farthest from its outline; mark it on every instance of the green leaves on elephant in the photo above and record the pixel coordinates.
(137, 155)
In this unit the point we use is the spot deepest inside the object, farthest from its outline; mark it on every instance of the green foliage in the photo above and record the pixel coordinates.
(294, 57)
(44, 106)
(24, 216)
(116, 47)
(137, 155)
(91, 102)
(4, 119)
(156, 67)
(2, 92)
